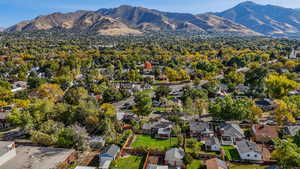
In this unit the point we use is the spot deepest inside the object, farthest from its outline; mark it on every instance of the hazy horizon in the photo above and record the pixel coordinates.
(14, 11)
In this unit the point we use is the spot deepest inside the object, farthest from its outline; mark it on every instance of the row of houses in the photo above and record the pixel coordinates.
(229, 133)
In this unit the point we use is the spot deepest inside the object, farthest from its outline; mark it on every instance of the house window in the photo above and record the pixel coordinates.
(255, 155)
(248, 155)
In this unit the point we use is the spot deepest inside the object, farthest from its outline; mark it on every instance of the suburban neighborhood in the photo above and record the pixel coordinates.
(164, 91)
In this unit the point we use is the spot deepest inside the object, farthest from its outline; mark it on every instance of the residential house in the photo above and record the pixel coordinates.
(164, 133)
(147, 66)
(108, 155)
(291, 130)
(264, 133)
(19, 86)
(146, 86)
(160, 129)
(7, 151)
(131, 86)
(295, 92)
(120, 115)
(212, 144)
(6, 108)
(215, 163)
(174, 157)
(200, 129)
(163, 77)
(242, 89)
(230, 133)
(248, 150)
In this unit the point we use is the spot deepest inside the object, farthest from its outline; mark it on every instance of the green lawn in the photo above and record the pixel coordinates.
(236, 166)
(231, 153)
(149, 142)
(130, 162)
(196, 164)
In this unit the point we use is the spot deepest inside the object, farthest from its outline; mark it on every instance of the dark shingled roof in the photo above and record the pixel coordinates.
(199, 126)
(212, 141)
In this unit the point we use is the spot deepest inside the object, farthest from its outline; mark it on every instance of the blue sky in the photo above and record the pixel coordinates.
(13, 11)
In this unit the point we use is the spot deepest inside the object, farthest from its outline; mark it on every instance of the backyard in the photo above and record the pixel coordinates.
(129, 162)
(231, 153)
(144, 141)
(196, 164)
(237, 166)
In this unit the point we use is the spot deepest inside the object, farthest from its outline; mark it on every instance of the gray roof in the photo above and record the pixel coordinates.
(199, 126)
(246, 146)
(152, 166)
(212, 141)
(164, 131)
(233, 130)
(174, 154)
(3, 116)
(291, 130)
(112, 150)
(221, 163)
(162, 123)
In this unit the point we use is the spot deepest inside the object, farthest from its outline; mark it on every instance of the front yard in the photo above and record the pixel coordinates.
(144, 141)
(231, 153)
(129, 162)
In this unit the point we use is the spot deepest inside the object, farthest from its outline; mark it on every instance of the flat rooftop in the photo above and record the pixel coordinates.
(3, 146)
(30, 157)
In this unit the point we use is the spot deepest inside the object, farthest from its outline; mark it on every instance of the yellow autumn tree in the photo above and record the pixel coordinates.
(108, 110)
(284, 111)
(50, 91)
(279, 86)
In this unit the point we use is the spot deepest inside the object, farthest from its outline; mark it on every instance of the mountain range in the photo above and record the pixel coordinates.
(265, 19)
(247, 18)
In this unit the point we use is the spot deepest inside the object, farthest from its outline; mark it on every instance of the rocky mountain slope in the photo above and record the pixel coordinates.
(79, 21)
(131, 20)
(265, 19)
(153, 20)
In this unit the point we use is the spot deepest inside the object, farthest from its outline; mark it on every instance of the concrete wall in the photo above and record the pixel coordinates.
(8, 156)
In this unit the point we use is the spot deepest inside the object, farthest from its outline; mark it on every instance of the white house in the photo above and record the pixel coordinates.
(7, 151)
(248, 150)
(174, 157)
(231, 133)
(212, 144)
